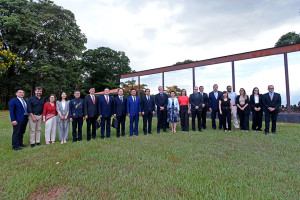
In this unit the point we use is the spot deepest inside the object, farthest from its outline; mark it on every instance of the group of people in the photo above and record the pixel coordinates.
(58, 114)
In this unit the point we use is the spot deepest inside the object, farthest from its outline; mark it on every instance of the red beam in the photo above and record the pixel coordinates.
(230, 58)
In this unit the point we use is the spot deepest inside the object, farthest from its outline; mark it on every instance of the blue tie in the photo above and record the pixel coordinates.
(25, 108)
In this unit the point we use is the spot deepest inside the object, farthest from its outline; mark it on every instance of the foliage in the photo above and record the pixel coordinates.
(184, 62)
(174, 88)
(288, 39)
(8, 59)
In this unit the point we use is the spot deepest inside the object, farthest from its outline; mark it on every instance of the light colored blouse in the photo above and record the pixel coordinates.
(242, 100)
(256, 98)
(176, 103)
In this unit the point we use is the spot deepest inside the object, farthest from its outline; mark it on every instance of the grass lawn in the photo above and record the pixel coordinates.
(207, 165)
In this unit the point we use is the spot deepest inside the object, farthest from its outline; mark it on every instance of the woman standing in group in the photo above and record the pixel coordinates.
(257, 109)
(226, 110)
(184, 110)
(49, 118)
(173, 111)
(242, 102)
(62, 108)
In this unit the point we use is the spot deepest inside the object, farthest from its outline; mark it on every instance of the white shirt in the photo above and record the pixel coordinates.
(133, 98)
(63, 104)
(256, 99)
(92, 96)
(216, 95)
(107, 98)
(121, 97)
(148, 98)
(22, 102)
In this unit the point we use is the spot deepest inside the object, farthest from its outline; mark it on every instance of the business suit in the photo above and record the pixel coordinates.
(120, 110)
(90, 109)
(214, 105)
(204, 110)
(76, 113)
(148, 107)
(243, 114)
(106, 110)
(256, 115)
(161, 100)
(196, 100)
(134, 108)
(63, 125)
(274, 103)
(18, 113)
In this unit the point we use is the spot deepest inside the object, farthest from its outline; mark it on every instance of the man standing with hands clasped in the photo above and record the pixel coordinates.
(148, 110)
(106, 111)
(161, 101)
(214, 98)
(232, 95)
(90, 113)
(197, 104)
(134, 111)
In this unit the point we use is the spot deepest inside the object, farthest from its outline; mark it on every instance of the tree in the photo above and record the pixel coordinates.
(103, 67)
(288, 39)
(184, 62)
(174, 88)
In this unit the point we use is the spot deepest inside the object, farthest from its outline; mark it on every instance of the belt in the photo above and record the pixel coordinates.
(37, 114)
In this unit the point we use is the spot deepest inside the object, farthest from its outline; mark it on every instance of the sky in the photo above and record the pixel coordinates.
(158, 33)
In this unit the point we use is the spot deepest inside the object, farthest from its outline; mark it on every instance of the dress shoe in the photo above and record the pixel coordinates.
(145, 133)
(22, 145)
(267, 132)
(259, 130)
(17, 148)
(150, 133)
(274, 132)
(38, 144)
(32, 145)
(200, 131)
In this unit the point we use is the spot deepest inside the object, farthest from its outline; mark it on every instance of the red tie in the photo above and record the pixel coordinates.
(106, 99)
(93, 99)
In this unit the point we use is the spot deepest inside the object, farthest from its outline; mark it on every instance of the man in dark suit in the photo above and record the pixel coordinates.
(76, 115)
(90, 113)
(148, 110)
(19, 119)
(213, 105)
(120, 111)
(272, 103)
(196, 102)
(161, 101)
(134, 111)
(205, 107)
(106, 111)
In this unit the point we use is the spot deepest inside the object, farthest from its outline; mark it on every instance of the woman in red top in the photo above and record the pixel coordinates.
(49, 118)
(184, 110)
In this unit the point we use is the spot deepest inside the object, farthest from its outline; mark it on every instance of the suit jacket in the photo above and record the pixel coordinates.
(247, 109)
(275, 103)
(90, 109)
(205, 100)
(59, 108)
(213, 103)
(161, 102)
(196, 101)
(133, 108)
(104, 109)
(147, 106)
(16, 110)
(252, 102)
(119, 107)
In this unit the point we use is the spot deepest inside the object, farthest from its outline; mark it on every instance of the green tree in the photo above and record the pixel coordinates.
(174, 88)
(288, 39)
(184, 62)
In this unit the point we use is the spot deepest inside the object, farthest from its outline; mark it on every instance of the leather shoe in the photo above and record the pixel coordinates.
(23, 145)
(267, 132)
(274, 132)
(17, 148)
(32, 145)
(38, 144)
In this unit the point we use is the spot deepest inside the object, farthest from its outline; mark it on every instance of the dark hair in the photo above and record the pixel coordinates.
(172, 91)
(228, 86)
(182, 91)
(106, 88)
(53, 96)
(215, 85)
(147, 89)
(60, 98)
(201, 86)
(76, 91)
(91, 87)
(254, 89)
(245, 94)
(120, 89)
(18, 90)
(165, 90)
(224, 92)
(38, 88)
(132, 89)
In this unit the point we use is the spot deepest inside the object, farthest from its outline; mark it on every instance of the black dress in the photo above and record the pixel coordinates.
(226, 113)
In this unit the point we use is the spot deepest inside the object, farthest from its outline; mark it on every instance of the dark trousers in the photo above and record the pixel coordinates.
(198, 114)
(18, 133)
(77, 122)
(161, 120)
(147, 118)
(134, 119)
(226, 115)
(244, 121)
(91, 121)
(257, 119)
(107, 120)
(213, 119)
(203, 117)
(121, 121)
(273, 116)
(184, 118)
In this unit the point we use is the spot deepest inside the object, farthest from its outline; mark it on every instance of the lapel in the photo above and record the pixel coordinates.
(19, 102)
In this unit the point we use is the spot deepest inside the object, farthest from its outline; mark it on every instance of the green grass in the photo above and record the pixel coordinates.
(208, 165)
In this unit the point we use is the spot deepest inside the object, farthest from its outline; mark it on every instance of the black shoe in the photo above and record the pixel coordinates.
(130, 135)
(38, 144)
(74, 141)
(157, 132)
(32, 145)
(214, 129)
(17, 148)
(145, 133)
(150, 133)
(123, 135)
(102, 137)
(118, 136)
(165, 131)
(94, 138)
(258, 130)
(204, 128)
(274, 132)
(200, 130)
(266, 132)
(22, 145)
(88, 140)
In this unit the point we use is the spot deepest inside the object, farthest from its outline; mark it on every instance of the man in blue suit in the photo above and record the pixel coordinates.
(213, 105)
(161, 101)
(272, 103)
(134, 111)
(19, 119)
(106, 111)
(148, 110)
(90, 110)
(120, 111)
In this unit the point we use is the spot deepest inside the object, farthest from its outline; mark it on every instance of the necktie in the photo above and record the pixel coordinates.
(25, 107)
(148, 99)
(133, 99)
(106, 99)
(93, 98)
(216, 95)
(121, 98)
(271, 96)
(161, 96)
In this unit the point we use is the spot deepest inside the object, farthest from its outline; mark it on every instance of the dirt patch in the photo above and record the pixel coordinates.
(52, 194)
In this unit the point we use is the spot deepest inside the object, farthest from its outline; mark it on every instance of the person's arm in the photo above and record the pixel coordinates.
(139, 106)
(220, 102)
(166, 102)
(246, 102)
(252, 101)
(264, 100)
(115, 104)
(192, 101)
(231, 107)
(128, 107)
(153, 106)
(99, 106)
(278, 103)
(12, 108)
(209, 102)
(112, 106)
(157, 101)
(237, 102)
(142, 105)
(45, 112)
(85, 106)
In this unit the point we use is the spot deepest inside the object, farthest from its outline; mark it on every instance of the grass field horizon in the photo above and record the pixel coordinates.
(193, 165)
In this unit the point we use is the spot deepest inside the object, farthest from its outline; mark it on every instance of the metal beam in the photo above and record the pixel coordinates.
(233, 75)
(194, 80)
(139, 86)
(287, 83)
(163, 80)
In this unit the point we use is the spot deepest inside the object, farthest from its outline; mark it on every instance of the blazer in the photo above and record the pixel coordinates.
(196, 101)
(247, 109)
(133, 108)
(59, 108)
(205, 100)
(260, 103)
(176, 103)
(161, 102)
(119, 107)
(275, 103)
(16, 110)
(90, 109)
(147, 106)
(104, 109)
(213, 103)
(76, 108)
